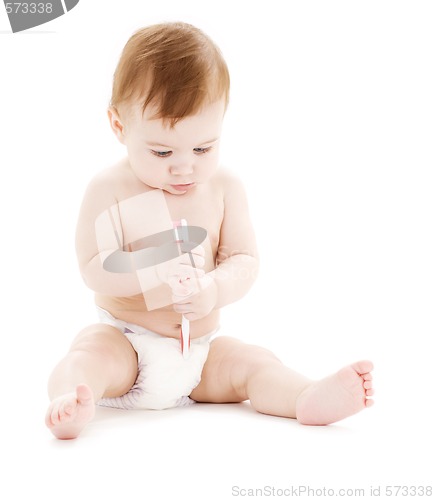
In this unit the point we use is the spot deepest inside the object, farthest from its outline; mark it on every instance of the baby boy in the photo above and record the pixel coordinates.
(153, 278)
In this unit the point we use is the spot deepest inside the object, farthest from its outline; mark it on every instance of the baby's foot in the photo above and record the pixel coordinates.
(336, 397)
(67, 415)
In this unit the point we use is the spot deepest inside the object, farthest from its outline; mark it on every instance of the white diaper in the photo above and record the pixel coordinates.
(165, 379)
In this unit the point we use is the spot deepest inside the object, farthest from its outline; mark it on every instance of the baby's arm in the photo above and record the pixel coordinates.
(111, 234)
(237, 258)
(98, 198)
(237, 262)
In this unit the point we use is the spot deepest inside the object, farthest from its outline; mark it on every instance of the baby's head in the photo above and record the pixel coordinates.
(170, 93)
(174, 68)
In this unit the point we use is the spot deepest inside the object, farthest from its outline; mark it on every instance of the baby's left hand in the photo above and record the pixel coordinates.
(194, 297)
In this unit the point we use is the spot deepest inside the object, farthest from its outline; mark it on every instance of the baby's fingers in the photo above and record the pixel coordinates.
(179, 289)
(185, 281)
(193, 255)
(184, 266)
(185, 272)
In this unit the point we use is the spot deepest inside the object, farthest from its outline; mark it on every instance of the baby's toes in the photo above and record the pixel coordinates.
(66, 411)
(60, 411)
(52, 416)
(367, 384)
(363, 367)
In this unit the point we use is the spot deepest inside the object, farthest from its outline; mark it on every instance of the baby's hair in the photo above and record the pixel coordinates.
(172, 66)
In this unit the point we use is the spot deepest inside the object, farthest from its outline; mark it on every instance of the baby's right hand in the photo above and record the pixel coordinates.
(186, 266)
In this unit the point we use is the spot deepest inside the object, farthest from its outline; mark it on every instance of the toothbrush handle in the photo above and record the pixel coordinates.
(185, 336)
(185, 324)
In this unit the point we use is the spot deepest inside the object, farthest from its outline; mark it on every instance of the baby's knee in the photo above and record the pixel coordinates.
(259, 356)
(252, 360)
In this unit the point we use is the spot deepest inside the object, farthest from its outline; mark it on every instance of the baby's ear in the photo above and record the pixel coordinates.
(116, 124)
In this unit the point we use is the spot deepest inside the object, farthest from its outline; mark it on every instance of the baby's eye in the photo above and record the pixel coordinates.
(161, 154)
(201, 151)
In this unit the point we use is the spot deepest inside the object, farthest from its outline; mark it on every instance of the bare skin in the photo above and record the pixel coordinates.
(71, 412)
(182, 164)
(336, 397)
(235, 372)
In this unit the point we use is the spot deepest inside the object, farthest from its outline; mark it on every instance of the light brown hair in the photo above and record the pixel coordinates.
(174, 67)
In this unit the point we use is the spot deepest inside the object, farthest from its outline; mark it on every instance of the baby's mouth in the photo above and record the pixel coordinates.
(183, 187)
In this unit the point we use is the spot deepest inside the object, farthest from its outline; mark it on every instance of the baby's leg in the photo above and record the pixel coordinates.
(101, 362)
(237, 372)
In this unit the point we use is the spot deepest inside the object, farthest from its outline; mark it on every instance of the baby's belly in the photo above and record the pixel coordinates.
(164, 321)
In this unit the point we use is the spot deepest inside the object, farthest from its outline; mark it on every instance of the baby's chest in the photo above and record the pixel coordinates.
(149, 217)
(207, 213)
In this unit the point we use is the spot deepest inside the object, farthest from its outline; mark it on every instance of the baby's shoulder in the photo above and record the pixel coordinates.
(117, 180)
(227, 180)
(229, 184)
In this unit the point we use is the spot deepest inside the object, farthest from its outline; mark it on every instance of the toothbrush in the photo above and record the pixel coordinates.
(185, 324)
(185, 337)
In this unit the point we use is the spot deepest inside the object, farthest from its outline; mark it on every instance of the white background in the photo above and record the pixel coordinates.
(331, 127)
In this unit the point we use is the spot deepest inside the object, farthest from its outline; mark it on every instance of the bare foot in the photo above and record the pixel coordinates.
(336, 397)
(67, 415)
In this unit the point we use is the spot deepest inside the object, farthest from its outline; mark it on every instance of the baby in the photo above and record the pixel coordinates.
(154, 278)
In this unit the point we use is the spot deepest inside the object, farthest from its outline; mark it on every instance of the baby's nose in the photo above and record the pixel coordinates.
(182, 167)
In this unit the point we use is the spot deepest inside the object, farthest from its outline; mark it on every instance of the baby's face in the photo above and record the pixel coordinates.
(174, 159)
